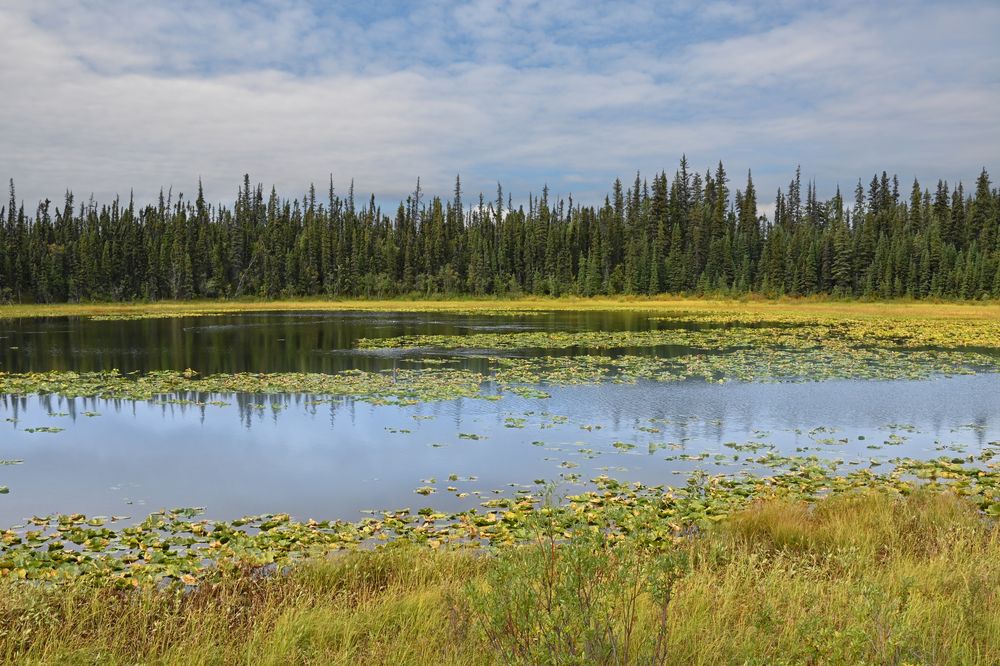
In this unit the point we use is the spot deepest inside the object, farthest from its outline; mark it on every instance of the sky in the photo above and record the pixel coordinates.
(109, 97)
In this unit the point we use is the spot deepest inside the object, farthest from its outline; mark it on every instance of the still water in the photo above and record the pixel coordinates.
(316, 458)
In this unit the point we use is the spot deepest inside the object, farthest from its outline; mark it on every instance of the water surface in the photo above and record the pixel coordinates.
(321, 458)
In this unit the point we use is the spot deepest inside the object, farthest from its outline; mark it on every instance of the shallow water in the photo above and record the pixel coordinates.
(260, 341)
(333, 459)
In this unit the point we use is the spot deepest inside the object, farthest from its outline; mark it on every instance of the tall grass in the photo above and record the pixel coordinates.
(806, 306)
(858, 579)
(865, 578)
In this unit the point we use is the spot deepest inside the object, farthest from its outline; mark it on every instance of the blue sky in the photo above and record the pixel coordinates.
(104, 97)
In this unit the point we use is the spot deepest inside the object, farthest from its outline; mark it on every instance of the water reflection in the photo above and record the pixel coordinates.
(257, 342)
(321, 458)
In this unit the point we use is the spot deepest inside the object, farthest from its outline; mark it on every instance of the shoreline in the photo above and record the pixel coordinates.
(824, 307)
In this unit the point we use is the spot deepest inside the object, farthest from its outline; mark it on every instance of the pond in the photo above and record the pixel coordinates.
(323, 457)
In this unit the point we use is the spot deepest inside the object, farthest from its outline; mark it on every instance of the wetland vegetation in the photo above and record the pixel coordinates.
(534, 481)
(867, 577)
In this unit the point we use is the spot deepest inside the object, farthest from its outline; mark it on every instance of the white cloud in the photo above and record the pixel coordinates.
(118, 96)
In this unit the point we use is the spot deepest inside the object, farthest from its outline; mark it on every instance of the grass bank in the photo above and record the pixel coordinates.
(864, 577)
(805, 306)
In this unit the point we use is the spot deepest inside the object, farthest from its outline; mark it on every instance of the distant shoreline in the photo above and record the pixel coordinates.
(811, 306)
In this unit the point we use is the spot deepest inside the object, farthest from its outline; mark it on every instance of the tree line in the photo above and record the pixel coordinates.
(688, 233)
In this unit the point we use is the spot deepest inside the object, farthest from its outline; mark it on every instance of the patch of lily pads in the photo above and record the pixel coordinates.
(180, 546)
(405, 386)
(738, 347)
(155, 314)
(731, 330)
(521, 376)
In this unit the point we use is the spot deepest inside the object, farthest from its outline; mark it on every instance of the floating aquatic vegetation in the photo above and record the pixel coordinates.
(752, 447)
(904, 331)
(399, 386)
(789, 332)
(842, 349)
(529, 392)
(179, 545)
(156, 314)
(763, 365)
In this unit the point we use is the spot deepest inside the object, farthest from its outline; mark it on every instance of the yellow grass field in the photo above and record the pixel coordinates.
(788, 306)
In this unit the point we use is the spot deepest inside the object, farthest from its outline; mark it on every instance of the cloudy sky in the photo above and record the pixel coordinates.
(108, 96)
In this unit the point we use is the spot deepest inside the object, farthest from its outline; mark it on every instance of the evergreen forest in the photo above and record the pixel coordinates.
(689, 233)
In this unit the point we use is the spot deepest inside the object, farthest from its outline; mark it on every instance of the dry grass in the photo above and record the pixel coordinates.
(857, 580)
(867, 578)
(802, 306)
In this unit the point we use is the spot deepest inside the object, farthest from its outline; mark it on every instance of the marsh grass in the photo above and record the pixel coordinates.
(869, 577)
(815, 306)
(857, 579)
(389, 606)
